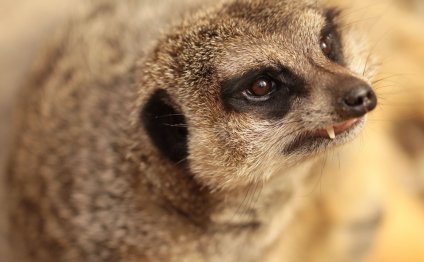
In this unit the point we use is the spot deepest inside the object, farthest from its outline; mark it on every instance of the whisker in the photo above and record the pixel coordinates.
(385, 78)
(164, 116)
(175, 125)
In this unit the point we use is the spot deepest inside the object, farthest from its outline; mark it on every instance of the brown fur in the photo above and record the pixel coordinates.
(87, 184)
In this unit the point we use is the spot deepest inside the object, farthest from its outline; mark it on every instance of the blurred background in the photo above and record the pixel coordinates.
(388, 159)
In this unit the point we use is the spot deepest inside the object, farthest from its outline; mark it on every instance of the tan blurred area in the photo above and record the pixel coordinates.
(24, 27)
(388, 158)
(392, 148)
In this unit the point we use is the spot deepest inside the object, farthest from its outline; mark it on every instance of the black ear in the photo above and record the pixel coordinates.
(165, 126)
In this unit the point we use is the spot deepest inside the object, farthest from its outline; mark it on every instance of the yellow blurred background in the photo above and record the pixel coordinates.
(389, 156)
(392, 148)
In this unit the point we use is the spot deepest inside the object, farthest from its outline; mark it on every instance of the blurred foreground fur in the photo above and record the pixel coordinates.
(390, 151)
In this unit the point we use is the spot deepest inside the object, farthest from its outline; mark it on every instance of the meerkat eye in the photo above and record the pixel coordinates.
(327, 45)
(261, 88)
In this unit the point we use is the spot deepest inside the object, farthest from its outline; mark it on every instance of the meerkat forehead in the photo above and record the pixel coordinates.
(256, 86)
(241, 36)
(279, 37)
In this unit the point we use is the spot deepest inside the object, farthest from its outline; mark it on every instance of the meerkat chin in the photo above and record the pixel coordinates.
(133, 145)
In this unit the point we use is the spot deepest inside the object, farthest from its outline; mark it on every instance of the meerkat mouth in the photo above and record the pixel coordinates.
(327, 136)
(334, 130)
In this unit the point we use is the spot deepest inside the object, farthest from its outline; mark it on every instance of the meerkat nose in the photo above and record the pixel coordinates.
(330, 131)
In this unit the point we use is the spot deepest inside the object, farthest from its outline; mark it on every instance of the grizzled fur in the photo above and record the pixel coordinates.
(124, 150)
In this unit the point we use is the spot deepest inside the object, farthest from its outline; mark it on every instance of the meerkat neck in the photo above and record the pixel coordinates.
(246, 206)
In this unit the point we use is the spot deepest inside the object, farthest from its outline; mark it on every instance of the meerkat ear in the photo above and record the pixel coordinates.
(165, 126)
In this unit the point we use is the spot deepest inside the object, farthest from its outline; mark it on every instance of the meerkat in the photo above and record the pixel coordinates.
(187, 145)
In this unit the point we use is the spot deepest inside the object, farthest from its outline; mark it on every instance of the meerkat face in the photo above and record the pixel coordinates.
(254, 87)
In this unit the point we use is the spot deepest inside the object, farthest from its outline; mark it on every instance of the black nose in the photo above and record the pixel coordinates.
(358, 101)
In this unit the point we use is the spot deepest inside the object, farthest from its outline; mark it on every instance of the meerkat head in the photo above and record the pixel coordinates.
(247, 90)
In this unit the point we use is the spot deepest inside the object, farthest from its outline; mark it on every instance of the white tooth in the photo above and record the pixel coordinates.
(330, 131)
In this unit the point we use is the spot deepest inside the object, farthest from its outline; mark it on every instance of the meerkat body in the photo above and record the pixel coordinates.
(136, 146)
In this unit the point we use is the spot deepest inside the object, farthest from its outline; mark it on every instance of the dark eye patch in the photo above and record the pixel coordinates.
(276, 106)
(330, 34)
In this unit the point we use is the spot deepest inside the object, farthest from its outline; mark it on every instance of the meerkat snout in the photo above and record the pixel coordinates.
(359, 100)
